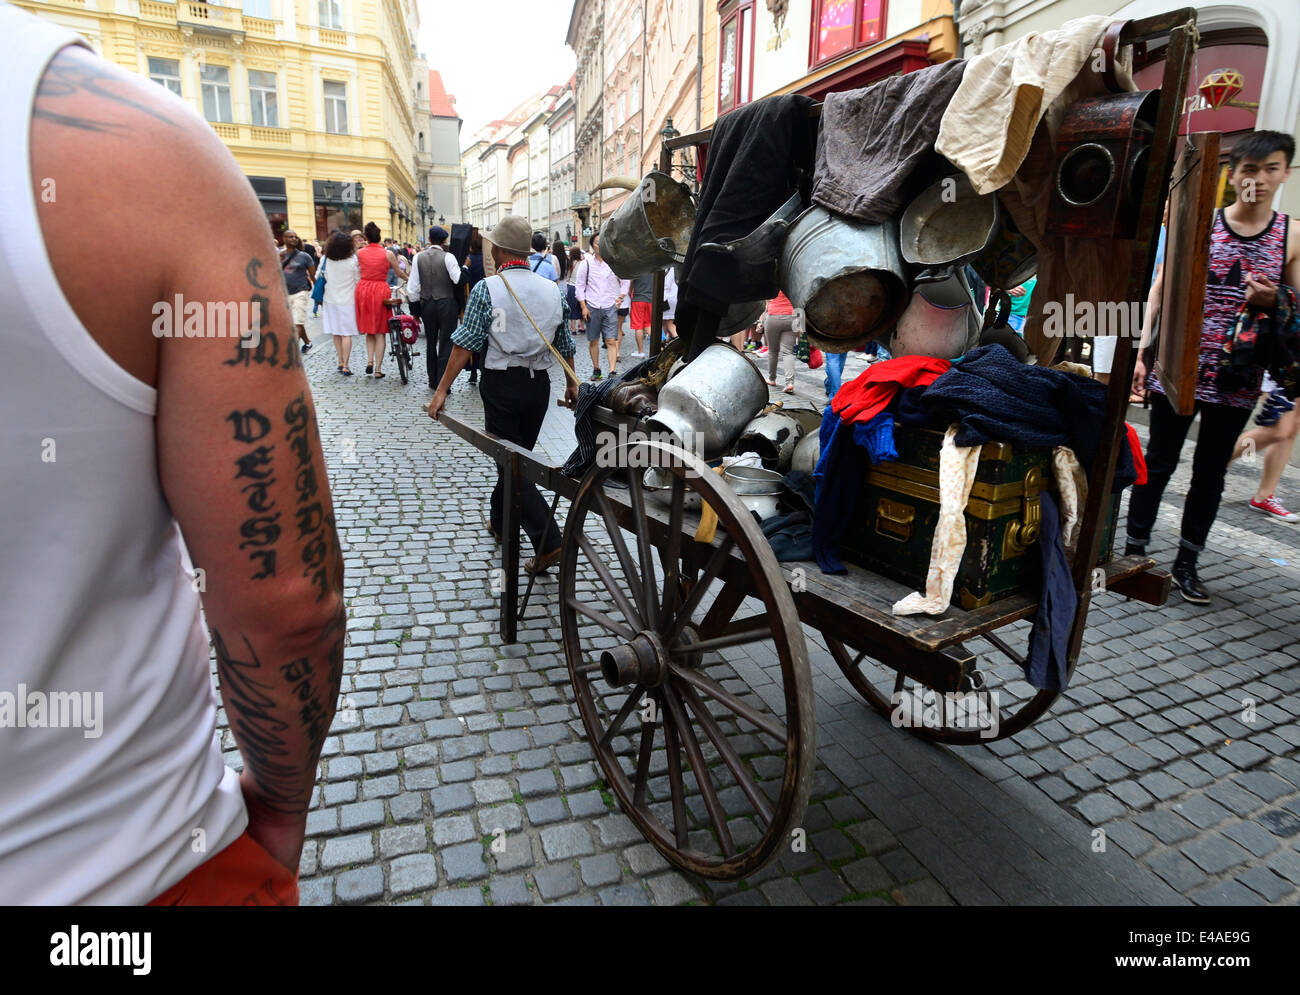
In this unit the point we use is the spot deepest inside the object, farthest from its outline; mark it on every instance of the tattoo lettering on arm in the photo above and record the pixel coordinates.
(267, 351)
(315, 527)
(251, 271)
(262, 529)
(258, 729)
(281, 741)
(69, 79)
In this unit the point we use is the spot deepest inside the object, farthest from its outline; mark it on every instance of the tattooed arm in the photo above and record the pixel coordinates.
(239, 458)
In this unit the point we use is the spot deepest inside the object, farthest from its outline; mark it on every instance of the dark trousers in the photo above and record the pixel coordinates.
(514, 407)
(1220, 427)
(439, 319)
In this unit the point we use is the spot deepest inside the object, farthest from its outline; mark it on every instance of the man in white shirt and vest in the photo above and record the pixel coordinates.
(514, 314)
(433, 283)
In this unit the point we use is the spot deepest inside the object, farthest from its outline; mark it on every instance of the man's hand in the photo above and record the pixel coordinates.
(1261, 292)
(571, 395)
(437, 404)
(279, 835)
(1139, 385)
(586, 315)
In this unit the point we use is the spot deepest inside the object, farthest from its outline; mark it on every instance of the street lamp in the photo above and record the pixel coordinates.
(442, 219)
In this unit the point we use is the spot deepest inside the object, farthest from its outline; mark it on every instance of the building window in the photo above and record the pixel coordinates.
(263, 99)
(841, 26)
(330, 13)
(336, 108)
(215, 81)
(736, 59)
(166, 72)
(258, 8)
(421, 139)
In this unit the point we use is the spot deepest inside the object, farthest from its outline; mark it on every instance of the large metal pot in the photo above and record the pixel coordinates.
(847, 277)
(707, 405)
(757, 488)
(650, 229)
(774, 437)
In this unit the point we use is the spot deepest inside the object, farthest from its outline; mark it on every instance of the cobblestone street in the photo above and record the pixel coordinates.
(1178, 736)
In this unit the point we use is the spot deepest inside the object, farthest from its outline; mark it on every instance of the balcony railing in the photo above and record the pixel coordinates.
(227, 20)
(151, 10)
(269, 136)
(259, 26)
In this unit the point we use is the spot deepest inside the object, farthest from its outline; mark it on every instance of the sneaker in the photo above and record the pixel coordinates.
(596, 375)
(763, 351)
(1274, 408)
(1272, 506)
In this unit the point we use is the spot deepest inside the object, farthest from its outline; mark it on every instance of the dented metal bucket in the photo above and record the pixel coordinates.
(651, 228)
(847, 277)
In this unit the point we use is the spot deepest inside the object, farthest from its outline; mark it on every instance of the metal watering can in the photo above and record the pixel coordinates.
(651, 228)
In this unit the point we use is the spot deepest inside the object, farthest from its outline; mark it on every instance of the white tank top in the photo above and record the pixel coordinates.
(96, 595)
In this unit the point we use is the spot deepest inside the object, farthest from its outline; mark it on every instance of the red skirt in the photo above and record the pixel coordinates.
(372, 316)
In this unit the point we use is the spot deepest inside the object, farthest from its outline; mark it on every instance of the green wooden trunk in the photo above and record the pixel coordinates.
(892, 528)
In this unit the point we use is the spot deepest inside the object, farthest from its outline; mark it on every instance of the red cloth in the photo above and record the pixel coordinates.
(780, 305)
(1139, 461)
(242, 874)
(862, 399)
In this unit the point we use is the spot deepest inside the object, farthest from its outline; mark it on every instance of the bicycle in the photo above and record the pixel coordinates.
(402, 333)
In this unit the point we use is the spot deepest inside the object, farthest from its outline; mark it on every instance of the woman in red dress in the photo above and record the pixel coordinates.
(372, 291)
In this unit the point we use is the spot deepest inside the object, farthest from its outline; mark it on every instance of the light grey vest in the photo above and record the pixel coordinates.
(435, 282)
(511, 339)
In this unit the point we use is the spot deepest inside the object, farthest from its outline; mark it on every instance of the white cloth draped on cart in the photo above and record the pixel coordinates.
(957, 466)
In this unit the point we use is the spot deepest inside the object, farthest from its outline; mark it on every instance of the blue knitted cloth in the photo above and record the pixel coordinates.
(995, 398)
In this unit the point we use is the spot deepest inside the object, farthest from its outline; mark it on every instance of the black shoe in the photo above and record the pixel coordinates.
(1184, 575)
(1134, 550)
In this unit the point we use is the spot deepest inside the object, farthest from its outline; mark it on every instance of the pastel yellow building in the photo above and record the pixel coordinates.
(313, 97)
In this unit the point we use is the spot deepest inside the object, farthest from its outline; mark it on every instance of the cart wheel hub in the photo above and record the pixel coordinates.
(689, 636)
(641, 661)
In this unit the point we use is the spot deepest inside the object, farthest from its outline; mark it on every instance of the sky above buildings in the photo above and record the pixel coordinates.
(494, 53)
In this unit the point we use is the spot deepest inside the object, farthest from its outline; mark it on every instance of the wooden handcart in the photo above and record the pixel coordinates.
(713, 758)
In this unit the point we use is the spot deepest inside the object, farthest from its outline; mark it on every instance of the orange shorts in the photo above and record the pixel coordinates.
(244, 873)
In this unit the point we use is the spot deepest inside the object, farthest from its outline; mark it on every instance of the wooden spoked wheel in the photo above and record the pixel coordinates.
(991, 702)
(714, 775)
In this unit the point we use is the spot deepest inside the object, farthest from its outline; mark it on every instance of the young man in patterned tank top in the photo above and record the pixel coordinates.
(1251, 253)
